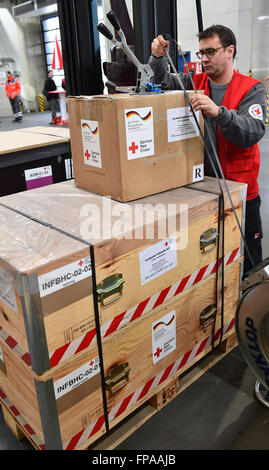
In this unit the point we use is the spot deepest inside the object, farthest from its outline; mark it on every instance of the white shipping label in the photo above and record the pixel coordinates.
(64, 276)
(139, 132)
(91, 143)
(181, 124)
(7, 289)
(76, 378)
(157, 259)
(1, 355)
(36, 173)
(163, 336)
(198, 173)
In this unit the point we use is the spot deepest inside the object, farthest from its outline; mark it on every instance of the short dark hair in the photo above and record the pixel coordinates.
(8, 71)
(227, 37)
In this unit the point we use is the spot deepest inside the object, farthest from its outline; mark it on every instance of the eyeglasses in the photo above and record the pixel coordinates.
(210, 52)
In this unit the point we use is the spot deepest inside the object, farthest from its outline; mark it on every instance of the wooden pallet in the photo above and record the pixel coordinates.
(134, 421)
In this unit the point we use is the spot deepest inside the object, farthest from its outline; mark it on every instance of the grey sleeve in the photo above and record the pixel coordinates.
(240, 127)
(168, 80)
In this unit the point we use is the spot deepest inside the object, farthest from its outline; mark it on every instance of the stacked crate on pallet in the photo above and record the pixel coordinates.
(160, 300)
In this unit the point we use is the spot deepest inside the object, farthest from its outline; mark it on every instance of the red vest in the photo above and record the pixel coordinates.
(13, 88)
(238, 164)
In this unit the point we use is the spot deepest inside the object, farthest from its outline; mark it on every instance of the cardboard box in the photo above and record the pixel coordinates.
(131, 146)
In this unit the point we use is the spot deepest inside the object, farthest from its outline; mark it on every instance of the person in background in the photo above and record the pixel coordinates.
(13, 90)
(234, 107)
(50, 86)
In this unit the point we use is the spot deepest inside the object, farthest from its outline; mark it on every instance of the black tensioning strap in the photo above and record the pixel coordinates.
(208, 130)
(221, 216)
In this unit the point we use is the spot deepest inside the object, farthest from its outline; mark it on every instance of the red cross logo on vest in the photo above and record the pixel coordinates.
(133, 147)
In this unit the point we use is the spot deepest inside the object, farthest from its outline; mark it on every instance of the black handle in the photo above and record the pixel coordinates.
(104, 30)
(166, 37)
(113, 20)
(110, 84)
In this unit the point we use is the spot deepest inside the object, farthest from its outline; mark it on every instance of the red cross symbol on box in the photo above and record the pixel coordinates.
(87, 154)
(81, 263)
(91, 363)
(166, 243)
(133, 147)
(158, 352)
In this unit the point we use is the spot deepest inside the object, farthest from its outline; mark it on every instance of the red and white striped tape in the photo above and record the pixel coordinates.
(12, 343)
(20, 419)
(82, 342)
(117, 410)
(145, 389)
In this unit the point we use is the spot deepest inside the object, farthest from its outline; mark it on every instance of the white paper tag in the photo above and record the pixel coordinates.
(181, 124)
(36, 173)
(64, 276)
(163, 336)
(76, 378)
(157, 259)
(139, 132)
(91, 143)
(7, 289)
(198, 173)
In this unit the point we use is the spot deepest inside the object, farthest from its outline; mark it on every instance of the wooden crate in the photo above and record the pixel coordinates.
(20, 427)
(65, 405)
(46, 240)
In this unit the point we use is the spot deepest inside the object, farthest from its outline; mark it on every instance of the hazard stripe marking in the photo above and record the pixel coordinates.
(148, 387)
(12, 344)
(145, 306)
(72, 348)
(20, 419)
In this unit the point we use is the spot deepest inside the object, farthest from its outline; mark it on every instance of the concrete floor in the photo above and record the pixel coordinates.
(218, 411)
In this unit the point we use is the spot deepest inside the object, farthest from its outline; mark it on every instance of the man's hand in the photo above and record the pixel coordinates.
(205, 104)
(157, 46)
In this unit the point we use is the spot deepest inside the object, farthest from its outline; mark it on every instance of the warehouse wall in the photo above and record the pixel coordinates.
(226, 13)
(249, 20)
(20, 40)
(260, 39)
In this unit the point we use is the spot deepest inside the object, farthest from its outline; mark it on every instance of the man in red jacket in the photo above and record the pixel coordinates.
(234, 106)
(13, 89)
